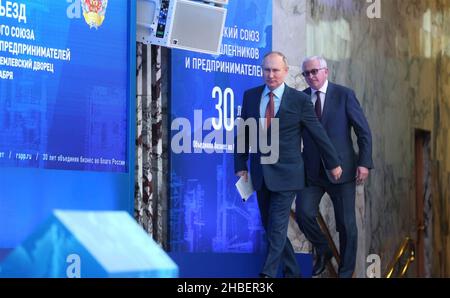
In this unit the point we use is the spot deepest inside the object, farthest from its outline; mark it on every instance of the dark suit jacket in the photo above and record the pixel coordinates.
(341, 112)
(296, 112)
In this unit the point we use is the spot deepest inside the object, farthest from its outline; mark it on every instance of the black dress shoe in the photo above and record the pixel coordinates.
(321, 262)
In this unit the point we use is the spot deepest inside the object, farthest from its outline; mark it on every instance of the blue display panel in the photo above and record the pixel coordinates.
(206, 212)
(64, 85)
(67, 93)
(88, 244)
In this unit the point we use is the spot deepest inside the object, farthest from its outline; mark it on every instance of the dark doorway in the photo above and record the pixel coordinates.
(423, 202)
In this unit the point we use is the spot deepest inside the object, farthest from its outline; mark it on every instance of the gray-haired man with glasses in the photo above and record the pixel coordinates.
(338, 109)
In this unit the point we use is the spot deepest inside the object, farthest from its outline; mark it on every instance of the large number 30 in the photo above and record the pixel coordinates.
(224, 106)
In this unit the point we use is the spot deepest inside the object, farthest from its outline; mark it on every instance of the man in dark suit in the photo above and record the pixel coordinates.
(339, 111)
(276, 105)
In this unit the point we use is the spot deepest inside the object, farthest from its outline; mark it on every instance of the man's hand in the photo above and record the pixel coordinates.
(361, 175)
(244, 174)
(336, 172)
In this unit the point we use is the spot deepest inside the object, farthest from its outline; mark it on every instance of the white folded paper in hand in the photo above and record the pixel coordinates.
(245, 189)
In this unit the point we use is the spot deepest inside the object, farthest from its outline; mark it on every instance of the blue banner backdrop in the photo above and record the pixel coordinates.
(64, 85)
(207, 214)
(67, 89)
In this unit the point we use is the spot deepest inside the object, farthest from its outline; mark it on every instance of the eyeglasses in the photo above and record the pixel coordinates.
(314, 71)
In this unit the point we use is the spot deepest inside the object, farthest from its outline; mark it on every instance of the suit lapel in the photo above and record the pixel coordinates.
(307, 91)
(284, 97)
(327, 107)
(258, 96)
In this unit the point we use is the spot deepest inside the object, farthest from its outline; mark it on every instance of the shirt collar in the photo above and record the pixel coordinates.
(278, 91)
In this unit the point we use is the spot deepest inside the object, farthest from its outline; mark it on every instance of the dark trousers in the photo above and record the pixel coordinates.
(343, 198)
(275, 208)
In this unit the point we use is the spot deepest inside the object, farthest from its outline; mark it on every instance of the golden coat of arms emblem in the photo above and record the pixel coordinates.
(94, 12)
